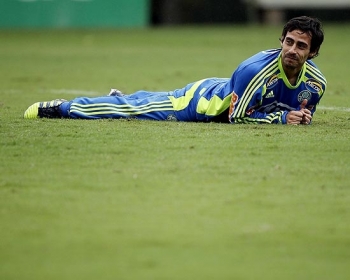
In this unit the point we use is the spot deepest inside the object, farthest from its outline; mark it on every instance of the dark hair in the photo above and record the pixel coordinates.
(310, 25)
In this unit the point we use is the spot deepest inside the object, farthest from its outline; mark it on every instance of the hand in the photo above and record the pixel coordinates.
(303, 116)
(307, 117)
(294, 117)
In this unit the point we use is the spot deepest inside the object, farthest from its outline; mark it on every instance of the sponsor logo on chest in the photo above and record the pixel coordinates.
(272, 82)
(313, 86)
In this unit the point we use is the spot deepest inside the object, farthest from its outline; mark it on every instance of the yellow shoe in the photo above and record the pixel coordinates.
(46, 109)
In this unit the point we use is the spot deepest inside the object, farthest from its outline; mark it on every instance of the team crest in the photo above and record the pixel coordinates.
(305, 94)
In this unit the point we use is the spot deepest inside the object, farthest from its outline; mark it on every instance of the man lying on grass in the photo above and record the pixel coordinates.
(274, 86)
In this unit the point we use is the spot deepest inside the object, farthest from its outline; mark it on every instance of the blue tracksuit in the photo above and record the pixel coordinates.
(257, 92)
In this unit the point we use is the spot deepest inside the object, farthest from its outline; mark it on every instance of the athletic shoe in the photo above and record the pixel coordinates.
(115, 92)
(46, 109)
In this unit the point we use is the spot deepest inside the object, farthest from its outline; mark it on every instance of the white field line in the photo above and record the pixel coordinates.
(75, 92)
(339, 109)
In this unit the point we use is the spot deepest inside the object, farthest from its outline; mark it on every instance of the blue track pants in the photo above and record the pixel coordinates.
(141, 105)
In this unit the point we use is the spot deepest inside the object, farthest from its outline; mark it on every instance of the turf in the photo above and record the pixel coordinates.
(128, 199)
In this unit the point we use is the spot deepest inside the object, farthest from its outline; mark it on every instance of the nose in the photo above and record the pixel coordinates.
(293, 49)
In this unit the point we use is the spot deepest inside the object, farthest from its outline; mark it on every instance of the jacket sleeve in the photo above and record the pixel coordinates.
(251, 113)
(278, 117)
(246, 100)
(249, 87)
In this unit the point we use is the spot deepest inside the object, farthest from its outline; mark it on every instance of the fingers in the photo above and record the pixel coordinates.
(307, 117)
(303, 116)
(303, 104)
(299, 117)
(294, 117)
(305, 120)
(305, 111)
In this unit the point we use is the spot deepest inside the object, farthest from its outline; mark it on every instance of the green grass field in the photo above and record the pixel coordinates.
(118, 199)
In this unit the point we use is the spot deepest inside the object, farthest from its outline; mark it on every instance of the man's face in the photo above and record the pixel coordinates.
(295, 49)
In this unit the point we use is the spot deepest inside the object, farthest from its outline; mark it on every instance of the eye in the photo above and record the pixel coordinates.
(289, 42)
(302, 46)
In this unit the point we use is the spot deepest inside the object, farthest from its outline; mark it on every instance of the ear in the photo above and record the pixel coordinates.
(311, 55)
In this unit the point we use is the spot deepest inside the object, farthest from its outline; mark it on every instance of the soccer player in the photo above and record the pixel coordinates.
(274, 86)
